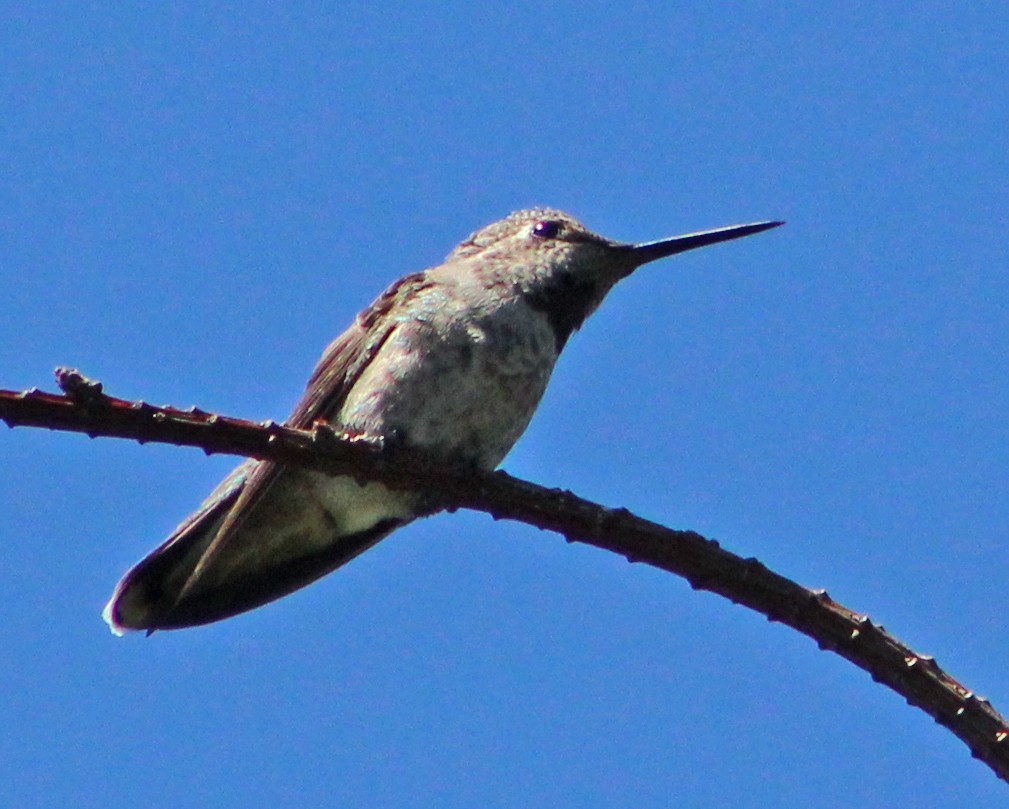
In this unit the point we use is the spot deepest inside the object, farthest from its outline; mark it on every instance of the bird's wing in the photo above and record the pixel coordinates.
(341, 365)
(148, 595)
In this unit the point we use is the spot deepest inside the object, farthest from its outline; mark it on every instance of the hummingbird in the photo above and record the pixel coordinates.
(451, 361)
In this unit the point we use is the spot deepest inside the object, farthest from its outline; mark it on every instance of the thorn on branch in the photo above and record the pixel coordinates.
(326, 436)
(325, 433)
(79, 388)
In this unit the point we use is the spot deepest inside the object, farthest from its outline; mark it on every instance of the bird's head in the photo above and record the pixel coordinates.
(562, 267)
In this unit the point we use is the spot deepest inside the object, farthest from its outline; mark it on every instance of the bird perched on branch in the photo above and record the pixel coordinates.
(451, 361)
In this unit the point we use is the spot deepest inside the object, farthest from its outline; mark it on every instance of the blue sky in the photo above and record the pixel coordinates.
(197, 198)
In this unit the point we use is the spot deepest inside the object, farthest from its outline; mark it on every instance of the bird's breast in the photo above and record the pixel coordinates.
(460, 382)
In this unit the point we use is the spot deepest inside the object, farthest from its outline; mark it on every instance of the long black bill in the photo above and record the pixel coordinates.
(650, 251)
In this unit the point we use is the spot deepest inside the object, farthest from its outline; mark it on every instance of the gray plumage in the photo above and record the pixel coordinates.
(452, 361)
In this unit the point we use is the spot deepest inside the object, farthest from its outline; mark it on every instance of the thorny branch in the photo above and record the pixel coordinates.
(702, 562)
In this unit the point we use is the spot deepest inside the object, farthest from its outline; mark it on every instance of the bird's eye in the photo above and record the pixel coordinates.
(547, 229)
